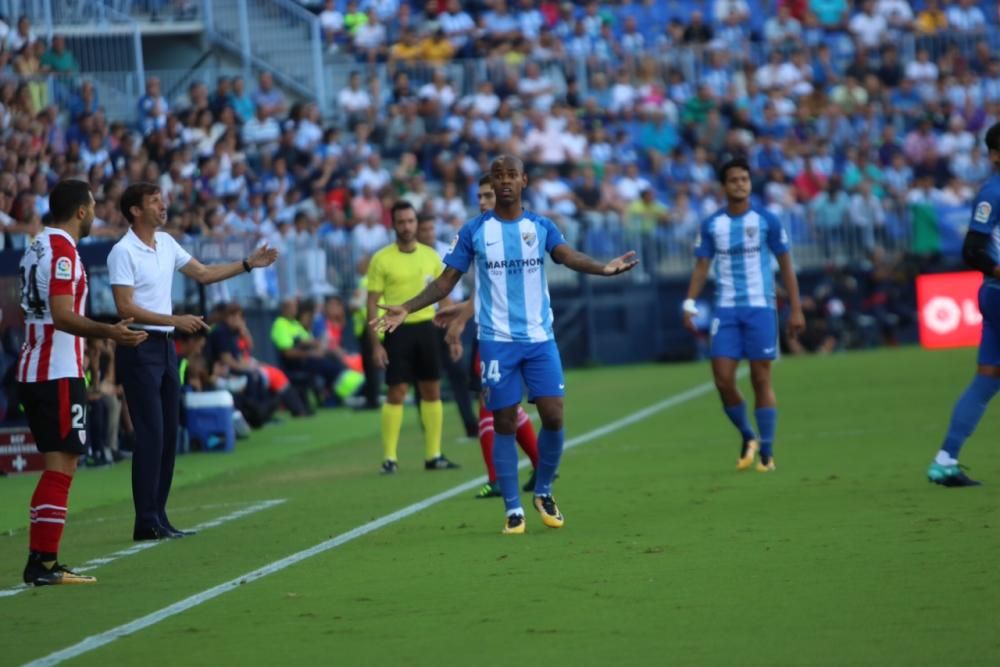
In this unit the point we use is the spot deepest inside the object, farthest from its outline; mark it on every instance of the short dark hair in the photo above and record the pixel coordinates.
(993, 138)
(425, 217)
(66, 198)
(401, 205)
(738, 162)
(133, 196)
(485, 180)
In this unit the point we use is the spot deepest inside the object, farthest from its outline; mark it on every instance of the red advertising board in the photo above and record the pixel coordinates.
(17, 451)
(948, 304)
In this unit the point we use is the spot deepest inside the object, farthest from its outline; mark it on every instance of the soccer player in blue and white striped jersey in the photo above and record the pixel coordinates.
(742, 239)
(508, 245)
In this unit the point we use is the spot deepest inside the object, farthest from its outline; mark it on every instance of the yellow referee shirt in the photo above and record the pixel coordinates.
(400, 276)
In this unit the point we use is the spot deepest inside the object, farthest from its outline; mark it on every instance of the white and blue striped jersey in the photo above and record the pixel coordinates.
(986, 220)
(512, 295)
(743, 273)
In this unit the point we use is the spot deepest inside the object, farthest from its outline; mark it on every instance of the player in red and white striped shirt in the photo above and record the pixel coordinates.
(50, 369)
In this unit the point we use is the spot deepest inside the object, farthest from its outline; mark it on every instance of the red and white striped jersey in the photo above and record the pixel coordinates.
(50, 267)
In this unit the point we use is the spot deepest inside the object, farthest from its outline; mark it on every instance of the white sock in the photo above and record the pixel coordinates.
(516, 510)
(943, 458)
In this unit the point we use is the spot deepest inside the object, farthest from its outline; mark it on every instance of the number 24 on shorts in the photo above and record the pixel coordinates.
(491, 373)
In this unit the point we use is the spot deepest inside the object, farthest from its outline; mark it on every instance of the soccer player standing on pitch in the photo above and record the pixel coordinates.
(741, 238)
(516, 342)
(981, 251)
(50, 371)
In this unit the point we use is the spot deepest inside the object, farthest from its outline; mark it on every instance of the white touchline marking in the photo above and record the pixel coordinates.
(96, 641)
(94, 563)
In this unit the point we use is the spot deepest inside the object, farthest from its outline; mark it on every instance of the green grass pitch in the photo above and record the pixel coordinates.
(844, 556)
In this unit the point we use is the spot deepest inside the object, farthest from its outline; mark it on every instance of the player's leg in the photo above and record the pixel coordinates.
(726, 350)
(486, 434)
(971, 405)
(528, 441)
(398, 377)
(56, 413)
(543, 374)
(760, 343)
(425, 356)
(459, 383)
(501, 377)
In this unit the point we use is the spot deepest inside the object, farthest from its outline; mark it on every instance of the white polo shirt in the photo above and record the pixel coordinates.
(149, 271)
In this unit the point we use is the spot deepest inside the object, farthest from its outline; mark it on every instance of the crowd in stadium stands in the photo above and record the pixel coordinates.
(858, 120)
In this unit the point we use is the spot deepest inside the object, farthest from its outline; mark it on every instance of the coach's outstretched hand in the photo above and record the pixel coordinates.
(190, 323)
(121, 334)
(262, 256)
(390, 320)
(626, 262)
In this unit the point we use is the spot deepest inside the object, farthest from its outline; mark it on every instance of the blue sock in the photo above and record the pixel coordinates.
(550, 447)
(767, 422)
(738, 415)
(505, 462)
(968, 411)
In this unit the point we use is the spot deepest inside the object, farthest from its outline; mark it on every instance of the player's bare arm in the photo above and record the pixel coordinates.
(261, 257)
(796, 319)
(697, 284)
(66, 320)
(127, 309)
(582, 263)
(435, 291)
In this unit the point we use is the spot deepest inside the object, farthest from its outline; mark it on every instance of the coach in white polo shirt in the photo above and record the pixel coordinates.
(142, 266)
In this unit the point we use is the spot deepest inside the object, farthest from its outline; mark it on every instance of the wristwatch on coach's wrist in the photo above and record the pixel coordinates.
(246, 266)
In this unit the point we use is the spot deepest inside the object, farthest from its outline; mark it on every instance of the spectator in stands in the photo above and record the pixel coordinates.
(370, 40)
(435, 48)
(269, 97)
(58, 58)
(868, 27)
(332, 23)
(153, 108)
(966, 17)
(22, 36)
(831, 14)
(782, 28)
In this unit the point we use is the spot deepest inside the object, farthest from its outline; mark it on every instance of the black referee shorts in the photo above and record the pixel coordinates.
(414, 354)
(57, 414)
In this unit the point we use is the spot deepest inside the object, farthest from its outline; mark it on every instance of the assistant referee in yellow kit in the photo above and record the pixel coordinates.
(411, 353)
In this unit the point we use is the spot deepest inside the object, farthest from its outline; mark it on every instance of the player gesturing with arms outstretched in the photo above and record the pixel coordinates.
(516, 343)
(742, 238)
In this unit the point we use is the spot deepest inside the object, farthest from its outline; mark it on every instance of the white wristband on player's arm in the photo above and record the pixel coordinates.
(690, 307)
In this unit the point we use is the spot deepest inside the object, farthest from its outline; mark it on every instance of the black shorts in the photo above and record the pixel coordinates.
(475, 375)
(57, 414)
(414, 354)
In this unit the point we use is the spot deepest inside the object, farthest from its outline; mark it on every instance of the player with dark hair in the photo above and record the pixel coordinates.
(981, 251)
(410, 353)
(455, 320)
(50, 370)
(742, 238)
(513, 311)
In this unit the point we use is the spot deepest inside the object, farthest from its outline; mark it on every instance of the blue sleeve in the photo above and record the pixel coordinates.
(553, 237)
(986, 210)
(777, 238)
(704, 243)
(461, 251)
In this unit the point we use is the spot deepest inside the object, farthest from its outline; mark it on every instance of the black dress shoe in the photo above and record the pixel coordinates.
(150, 533)
(175, 533)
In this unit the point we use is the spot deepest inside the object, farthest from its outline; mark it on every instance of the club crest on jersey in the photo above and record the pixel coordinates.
(750, 232)
(983, 211)
(64, 268)
(454, 244)
(529, 238)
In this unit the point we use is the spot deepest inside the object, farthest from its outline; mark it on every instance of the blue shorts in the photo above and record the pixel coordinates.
(745, 333)
(506, 368)
(989, 344)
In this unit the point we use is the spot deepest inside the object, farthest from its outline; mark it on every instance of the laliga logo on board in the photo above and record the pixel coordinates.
(943, 314)
(948, 307)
